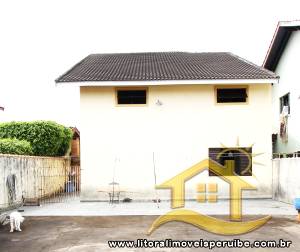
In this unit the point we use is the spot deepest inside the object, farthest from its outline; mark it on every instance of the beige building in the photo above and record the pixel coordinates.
(145, 117)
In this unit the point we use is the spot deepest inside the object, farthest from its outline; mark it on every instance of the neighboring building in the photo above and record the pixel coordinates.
(159, 113)
(75, 173)
(283, 58)
(75, 147)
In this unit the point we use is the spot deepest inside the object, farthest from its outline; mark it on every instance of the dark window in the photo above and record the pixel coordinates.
(242, 158)
(285, 101)
(131, 96)
(226, 95)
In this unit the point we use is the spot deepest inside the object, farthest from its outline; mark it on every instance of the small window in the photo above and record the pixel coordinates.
(138, 96)
(285, 102)
(242, 158)
(231, 95)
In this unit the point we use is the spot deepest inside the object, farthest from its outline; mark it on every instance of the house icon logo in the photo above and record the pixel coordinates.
(235, 225)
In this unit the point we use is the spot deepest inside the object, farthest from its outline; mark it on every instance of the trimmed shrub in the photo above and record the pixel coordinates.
(47, 138)
(15, 146)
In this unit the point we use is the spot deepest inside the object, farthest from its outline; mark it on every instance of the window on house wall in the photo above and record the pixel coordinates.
(231, 95)
(131, 96)
(241, 159)
(285, 101)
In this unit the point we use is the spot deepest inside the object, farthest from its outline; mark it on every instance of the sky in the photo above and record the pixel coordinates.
(40, 40)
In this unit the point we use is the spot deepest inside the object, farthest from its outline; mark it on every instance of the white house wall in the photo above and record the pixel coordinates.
(288, 70)
(179, 132)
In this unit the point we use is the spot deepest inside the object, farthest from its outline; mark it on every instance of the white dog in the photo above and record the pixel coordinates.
(15, 220)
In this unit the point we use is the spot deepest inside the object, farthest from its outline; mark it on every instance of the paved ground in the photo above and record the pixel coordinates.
(74, 234)
(77, 208)
(75, 226)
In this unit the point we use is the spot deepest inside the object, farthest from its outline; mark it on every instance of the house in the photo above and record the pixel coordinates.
(283, 58)
(145, 117)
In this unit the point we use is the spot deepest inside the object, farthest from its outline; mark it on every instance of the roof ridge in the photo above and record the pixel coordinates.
(123, 53)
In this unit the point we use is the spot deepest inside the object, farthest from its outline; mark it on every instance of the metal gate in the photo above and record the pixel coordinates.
(56, 185)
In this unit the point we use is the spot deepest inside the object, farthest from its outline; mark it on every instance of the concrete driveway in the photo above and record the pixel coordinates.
(76, 226)
(72, 234)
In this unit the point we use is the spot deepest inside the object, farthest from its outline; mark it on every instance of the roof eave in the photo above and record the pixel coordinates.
(279, 42)
(168, 82)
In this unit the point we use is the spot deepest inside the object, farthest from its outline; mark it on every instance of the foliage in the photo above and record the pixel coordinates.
(66, 142)
(47, 138)
(15, 146)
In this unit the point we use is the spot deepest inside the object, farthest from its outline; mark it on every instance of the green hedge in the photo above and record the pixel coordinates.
(15, 146)
(47, 138)
(66, 141)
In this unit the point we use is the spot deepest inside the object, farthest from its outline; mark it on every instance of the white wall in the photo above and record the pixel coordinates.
(286, 174)
(179, 132)
(288, 70)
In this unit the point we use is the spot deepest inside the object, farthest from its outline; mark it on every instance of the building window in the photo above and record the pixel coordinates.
(131, 96)
(285, 102)
(241, 157)
(231, 95)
